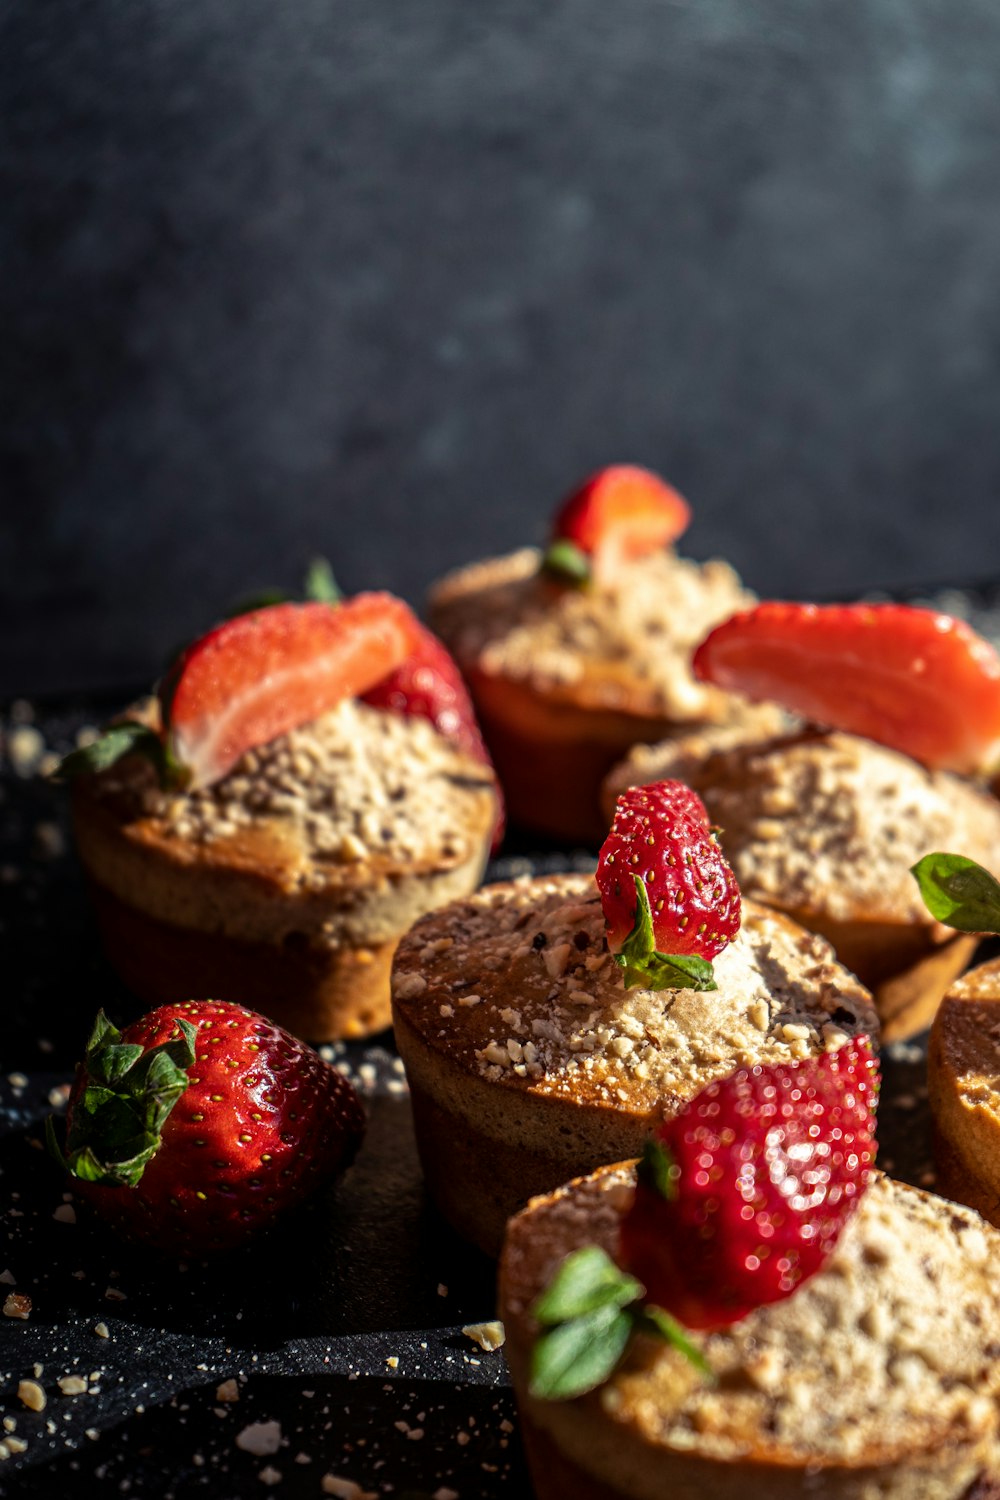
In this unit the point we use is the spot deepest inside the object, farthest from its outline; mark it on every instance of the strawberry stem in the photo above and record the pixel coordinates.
(645, 966)
(118, 1116)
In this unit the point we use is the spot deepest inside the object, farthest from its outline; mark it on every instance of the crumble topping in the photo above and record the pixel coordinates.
(551, 1011)
(826, 821)
(355, 784)
(891, 1344)
(510, 620)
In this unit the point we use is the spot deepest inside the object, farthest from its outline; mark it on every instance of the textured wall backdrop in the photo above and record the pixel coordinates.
(381, 280)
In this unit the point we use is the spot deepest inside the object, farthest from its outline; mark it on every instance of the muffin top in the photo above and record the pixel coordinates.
(884, 1353)
(624, 644)
(358, 790)
(824, 821)
(516, 985)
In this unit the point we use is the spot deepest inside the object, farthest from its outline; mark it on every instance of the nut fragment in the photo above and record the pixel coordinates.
(227, 1391)
(31, 1395)
(489, 1336)
(17, 1306)
(71, 1385)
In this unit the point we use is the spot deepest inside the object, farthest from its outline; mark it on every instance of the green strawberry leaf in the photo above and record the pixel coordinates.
(320, 586)
(112, 746)
(566, 562)
(575, 1357)
(656, 1170)
(958, 892)
(660, 1325)
(585, 1281)
(646, 967)
(129, 1093)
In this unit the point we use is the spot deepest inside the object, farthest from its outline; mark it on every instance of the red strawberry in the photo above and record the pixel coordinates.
(621, 512)
(261, 674)
(430, 686)
(201, 1123)
(921, 682)
(744, 1194)
(666, 888)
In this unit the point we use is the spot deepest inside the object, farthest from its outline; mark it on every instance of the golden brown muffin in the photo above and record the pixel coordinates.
(825, 827)
(566, 679)
(876, 1380)
(287, 885)
(529, 1062)
(963, 1074)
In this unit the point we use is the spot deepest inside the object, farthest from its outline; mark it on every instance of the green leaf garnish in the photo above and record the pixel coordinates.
(129, 738)
(658, 1324)
(645, 966)
(586, 1280)
(320, 586)
(567, 562)
(128, 1097)
(588, 1312)
(958, 892)
(656, 1170)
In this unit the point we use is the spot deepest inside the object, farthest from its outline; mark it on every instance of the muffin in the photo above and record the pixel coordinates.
(825, 827)
(281, 862)
(875, 1380)
(530, 1063)
(567, 675)
(963, 1066)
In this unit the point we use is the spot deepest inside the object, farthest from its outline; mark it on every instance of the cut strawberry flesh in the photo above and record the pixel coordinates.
(622, 512)
(916, 680)
(262, 674)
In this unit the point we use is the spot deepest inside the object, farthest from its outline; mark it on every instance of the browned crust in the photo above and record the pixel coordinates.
(962, 1061)
(317, 992)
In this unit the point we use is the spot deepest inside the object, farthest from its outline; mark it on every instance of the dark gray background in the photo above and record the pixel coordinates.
(381, 279)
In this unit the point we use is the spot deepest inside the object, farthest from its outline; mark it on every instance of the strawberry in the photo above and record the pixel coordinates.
(920, 682)
(430, 686)
(263, 673)
(620, 513)
(201, 1123)
(671, 903)
(744, 1194)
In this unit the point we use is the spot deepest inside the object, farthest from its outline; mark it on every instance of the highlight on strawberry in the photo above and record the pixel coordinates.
(201, 1124)
(620, 513)
(670, 900)
(739, 1199)
(267, 670)
(916, 680)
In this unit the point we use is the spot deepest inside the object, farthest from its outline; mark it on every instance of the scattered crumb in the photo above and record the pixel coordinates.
(227, 1391)
(65, 1214)
(489, 1336)
(393, 1361)
(8, 1279)
(31, 1395)
(442, 1289)
(345, 1489)
(101, 1329)
(71, 1385)
(260, 1438)
(17, 1306)
(269, 1475)
(112, 1294)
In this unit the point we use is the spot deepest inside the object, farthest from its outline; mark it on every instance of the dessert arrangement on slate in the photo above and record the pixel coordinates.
(652, 1076)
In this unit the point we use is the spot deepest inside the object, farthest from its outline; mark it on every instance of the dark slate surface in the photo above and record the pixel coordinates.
(382, 280)
(305, 1321)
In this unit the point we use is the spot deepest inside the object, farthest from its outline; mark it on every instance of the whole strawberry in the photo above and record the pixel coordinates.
(670, 900)
(201, 1123)
(744, 1194)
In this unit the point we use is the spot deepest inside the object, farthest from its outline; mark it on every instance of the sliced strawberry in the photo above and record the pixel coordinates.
(666, 889)
(261, 674)
(745, 1192)
(621, 512)
(428, 685)
(918, 681)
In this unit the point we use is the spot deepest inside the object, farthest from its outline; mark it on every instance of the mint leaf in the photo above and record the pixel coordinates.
(959, 892)
(112, 746)
(320, 586)
(565, 561)
(656, 1170)
(585, 1281)
(575, 1357)
(645, 966)
(660, 1325)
